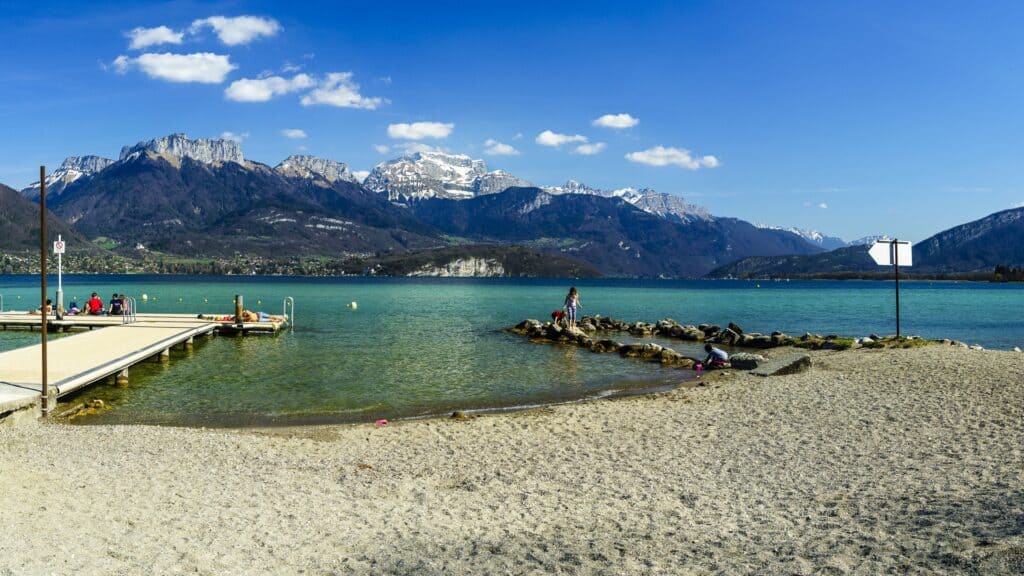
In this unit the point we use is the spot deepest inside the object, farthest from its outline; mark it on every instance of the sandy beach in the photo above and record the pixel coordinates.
(873, 461)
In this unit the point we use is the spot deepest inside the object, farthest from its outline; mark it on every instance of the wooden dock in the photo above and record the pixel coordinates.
(107, 348)
(27, 321)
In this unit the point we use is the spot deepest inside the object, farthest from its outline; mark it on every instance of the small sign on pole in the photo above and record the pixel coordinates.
(58, 249)
(893, 253)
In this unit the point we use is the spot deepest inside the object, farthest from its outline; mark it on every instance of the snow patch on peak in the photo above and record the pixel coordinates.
(71, 170)
(435, 174)
(665, 205)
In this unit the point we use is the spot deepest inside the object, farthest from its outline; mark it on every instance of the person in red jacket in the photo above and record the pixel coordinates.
(94, 305)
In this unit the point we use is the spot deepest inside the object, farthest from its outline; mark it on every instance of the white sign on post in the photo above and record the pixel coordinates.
(58, 247)
(885, 253)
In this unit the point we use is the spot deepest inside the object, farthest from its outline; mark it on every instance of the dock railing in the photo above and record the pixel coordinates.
(128, 312)
(288, 311)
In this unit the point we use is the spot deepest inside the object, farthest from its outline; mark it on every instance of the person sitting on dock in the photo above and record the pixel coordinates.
(717, 358)
(49, 308)
(116, 305)
(74, 310)
(94, 306)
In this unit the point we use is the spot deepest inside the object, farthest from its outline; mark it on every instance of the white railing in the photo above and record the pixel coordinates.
(128, 309)
(288, 311)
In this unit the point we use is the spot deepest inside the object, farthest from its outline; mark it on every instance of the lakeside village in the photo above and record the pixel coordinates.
(366, 264)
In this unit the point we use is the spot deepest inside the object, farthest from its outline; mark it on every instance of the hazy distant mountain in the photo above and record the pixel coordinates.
(665, 205)
(997, 239)
(813, 236)
(73, 169)
(610, 233)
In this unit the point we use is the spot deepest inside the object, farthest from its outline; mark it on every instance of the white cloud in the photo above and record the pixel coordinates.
(591, 149)
(1017, 205)
(494, 148)
(617, 121)
(146, 37)
(238, 30)
(420, 130)
(360, 174)
(237, 138)
(288, 68)
(293, 133)
(381, 148)
(339, 90)
(553, 139)
(202, 67)
(662, 156)
(263, 89)
(823, 206)
(518, 136)
(121, 64)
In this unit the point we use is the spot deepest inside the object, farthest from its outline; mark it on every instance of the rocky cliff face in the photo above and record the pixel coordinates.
(497, 182)
(205, 150)
(72, 169)
(437, 175)
(303, 166)
(462, 268)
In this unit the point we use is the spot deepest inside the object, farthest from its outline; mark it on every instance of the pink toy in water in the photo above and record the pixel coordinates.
(698, 367)
(381, 422)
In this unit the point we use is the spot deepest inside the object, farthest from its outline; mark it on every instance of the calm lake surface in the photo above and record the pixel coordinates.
(417, 347)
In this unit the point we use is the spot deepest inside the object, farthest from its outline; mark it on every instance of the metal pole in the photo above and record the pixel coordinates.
(59, 305)
(42, 274)
(896, 268)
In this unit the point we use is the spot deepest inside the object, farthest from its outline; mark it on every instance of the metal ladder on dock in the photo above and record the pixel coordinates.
(128, 309)
(288, 306)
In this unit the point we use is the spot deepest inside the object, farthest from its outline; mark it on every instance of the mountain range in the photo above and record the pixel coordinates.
(201, 198)
(978, 246)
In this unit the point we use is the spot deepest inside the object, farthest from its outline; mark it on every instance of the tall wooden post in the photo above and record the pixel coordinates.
(42, 273)
(238, 309)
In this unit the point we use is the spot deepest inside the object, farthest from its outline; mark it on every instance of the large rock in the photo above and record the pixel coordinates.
(605, 346)
(745, 360)
(789, 364)
(526, 326)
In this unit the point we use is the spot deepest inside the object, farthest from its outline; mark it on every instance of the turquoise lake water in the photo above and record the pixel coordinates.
(417, 347)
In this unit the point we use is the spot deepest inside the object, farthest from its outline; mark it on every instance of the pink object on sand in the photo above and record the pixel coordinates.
(698, 367)
(381, 422)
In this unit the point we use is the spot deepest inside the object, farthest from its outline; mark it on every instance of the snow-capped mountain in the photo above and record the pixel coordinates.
(303, 166)
(73, 168)
(812, 236)
(665, 205)
(206, 150)
(868, 240)
(437, 175)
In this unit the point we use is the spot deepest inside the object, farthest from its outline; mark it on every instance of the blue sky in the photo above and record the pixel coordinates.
(852, 118)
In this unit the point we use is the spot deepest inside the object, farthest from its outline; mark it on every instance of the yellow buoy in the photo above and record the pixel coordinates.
(353, 305)
(145, 297)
